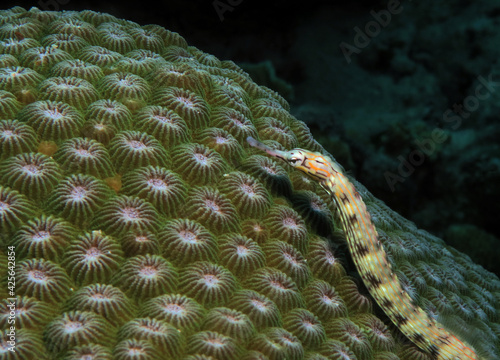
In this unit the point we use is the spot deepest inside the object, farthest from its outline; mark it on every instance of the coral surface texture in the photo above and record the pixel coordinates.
(136, 221)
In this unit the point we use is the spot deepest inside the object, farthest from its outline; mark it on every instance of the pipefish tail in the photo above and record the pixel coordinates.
(371, 259)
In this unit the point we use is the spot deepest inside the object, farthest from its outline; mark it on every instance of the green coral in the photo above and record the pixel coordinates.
(144, 222)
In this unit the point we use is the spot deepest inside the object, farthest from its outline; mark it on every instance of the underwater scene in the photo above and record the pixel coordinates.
(226, 180)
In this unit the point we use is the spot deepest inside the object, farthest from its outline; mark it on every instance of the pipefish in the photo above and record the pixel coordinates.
(370, 257)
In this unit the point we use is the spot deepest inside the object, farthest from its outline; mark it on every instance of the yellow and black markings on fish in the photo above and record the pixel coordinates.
(370, 257)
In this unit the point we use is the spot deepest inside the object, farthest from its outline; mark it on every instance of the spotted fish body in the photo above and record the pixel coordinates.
(370, 257)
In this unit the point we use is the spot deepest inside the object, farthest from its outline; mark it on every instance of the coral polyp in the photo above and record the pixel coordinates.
(125, 213)
(162, 123)
(269, 173)
(267, 107)
(110, 112)
(78, 69)
(52, 120)
(198, 164)
(15, 208)
(325, 260)
(208, 283)
(99, 56)
(116, 39)
(276, 285)
(92, 257)
(272, 129)
(105, 300)
(99, 131)
(7, 60)
(163, 336)
(241, 255)
(234, 122)
(334, 349)
(322, 299)
(29, 345)
(76, 328)
(304, 136)
(74, 91)
(42, 59)
(376, 331)
(169, 37)
(75, 26)
(44, 237)
(77, 197)
(211, 343)
(90, 351)
(9, 106)
(211, 209)
(23, 28)
(17, 78)
(229, 322)
(284, 257)
(140, 243)
(349, 333)
(138, 62)
(314, 211)
(185, 241)
(260, 309)
(256, 230)
(354, 300)
(135, 350)
(224, 96)
(96, 18)
(86, 156)
(147, 39)
(277, 343)
(133, 149)
(131, 90)
(176, 75)
(181, 311)
(161, 187)
(286, 224)
(16, 138)
(70, 43)
(146, 276)
(43, 280)
(191, 107)
(14, 46)
(247, 194)
(222, 142)
(32, 174)
(30, 313)
(177, 54)
(306, 327)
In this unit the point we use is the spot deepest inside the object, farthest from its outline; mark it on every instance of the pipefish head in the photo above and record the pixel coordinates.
(314, 164)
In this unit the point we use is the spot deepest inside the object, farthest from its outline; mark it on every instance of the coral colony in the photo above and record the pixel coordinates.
(137, 222)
